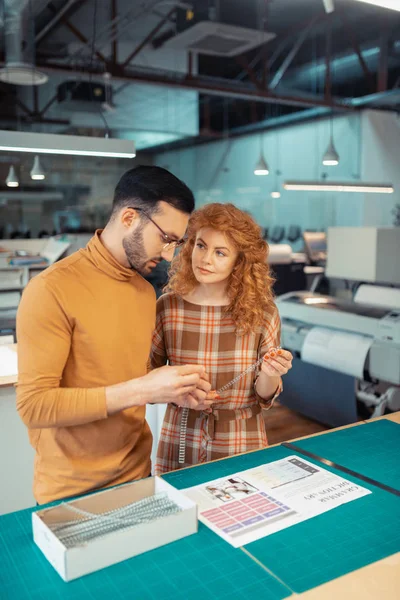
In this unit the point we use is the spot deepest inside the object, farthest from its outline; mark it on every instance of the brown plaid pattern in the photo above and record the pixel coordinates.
(189, 333)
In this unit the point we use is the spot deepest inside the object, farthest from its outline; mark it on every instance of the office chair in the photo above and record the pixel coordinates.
(294, 233)
(277, 234)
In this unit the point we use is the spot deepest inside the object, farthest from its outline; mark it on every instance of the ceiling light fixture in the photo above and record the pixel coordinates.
(107, 105)
(392, 4)
(37, 171)
(276, 193)
(261, 167)
(329, 6)
(331, 157)
(12, 179)
(337, 186)
(22, 74)
(50, 143)
(18, 35)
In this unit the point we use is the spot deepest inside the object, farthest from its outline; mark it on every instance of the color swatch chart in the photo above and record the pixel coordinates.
(252, 511)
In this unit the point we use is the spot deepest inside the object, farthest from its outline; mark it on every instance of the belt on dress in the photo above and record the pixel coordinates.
(220, 415)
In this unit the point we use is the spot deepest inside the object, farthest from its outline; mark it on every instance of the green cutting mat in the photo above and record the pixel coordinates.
(327, 546)
(335, 543)
(201, 566)
(373, 450)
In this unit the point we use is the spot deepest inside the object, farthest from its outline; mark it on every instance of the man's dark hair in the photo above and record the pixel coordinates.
(145, 186)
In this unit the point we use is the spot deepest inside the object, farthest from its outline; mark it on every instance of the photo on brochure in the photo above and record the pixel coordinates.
(231, 489)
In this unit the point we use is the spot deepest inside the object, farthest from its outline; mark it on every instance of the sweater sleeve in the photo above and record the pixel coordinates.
(44, 334)
(158, 354)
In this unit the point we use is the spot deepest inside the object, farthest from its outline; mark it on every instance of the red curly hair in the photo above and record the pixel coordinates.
(250, 286)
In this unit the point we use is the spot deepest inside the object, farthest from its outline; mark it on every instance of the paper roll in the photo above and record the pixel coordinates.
(280, 254)
(378, 295)
(337, 350)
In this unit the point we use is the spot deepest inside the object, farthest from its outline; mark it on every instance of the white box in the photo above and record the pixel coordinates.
(113, 547)
(369, 254)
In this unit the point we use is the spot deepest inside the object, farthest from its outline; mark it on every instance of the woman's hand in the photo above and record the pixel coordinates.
(205, 405)
(277, 362)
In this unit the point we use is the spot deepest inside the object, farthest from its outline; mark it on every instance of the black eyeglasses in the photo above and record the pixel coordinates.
(169, 243)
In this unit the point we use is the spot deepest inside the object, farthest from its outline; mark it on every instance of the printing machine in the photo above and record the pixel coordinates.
(288, 268)
(368, 256)
(14, 277)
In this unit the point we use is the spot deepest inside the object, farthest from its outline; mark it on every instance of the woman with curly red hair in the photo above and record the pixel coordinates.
(220, 312)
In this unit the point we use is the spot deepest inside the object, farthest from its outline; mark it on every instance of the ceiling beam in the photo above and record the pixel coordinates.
(69, 8)
(383, 61)
(34, 119)
(78, 34)
(205, 85)
(15, 100)
(356, 47)
(243, 62)
(328, 71)
(190, 64)
(49, 104)
(115, 32)
(291, 55)
(148, 38)
(284, 39)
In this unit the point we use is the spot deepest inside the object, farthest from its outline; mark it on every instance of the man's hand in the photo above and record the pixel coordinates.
(202, 404)
(187, 385)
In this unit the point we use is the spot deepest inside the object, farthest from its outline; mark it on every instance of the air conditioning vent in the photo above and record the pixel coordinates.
(219, 39)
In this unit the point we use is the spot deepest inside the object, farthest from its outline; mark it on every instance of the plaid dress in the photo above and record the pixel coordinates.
(188, 333)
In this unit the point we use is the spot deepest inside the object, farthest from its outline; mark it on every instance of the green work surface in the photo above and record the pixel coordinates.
(324, 547)
(204, 566)
(373, 450)
(201, 566)
(335, 543)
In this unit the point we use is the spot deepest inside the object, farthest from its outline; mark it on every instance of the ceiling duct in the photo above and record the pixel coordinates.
(220, 30)
(16, 71)
(345, 66)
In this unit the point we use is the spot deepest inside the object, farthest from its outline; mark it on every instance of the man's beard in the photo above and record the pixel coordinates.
(135, 251)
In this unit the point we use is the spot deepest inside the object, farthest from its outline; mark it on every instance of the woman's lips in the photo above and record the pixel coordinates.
(205, 271)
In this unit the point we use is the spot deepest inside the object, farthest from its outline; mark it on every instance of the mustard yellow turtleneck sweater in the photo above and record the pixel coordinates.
(83, 324)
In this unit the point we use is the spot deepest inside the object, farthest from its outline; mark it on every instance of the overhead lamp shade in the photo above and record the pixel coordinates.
(22, 74)
(12, 179)
(51, 143)
(393, 4)
(37, 171)
(339, 186)
(331, 157)
(329, 6)
(261, 167)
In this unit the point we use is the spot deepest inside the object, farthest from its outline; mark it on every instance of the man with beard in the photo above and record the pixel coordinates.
(84, 328)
